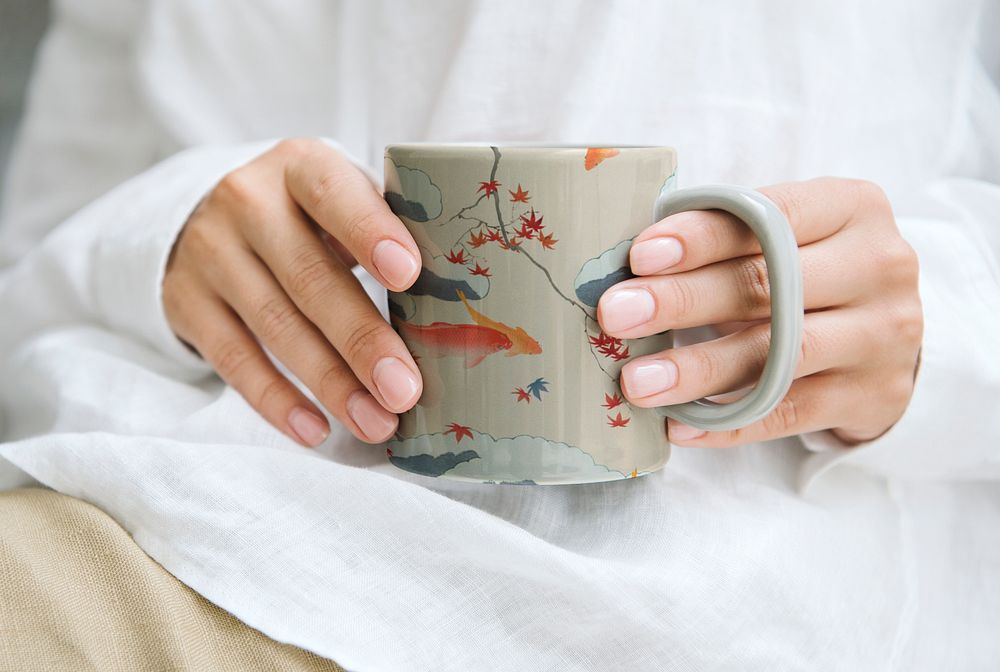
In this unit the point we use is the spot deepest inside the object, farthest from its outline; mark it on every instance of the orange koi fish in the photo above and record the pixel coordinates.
(597, 154)
(441, 339)
(521, 342)
(475, 342)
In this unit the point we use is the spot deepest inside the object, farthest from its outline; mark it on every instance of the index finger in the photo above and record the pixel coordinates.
(338, 197)
(815, 209)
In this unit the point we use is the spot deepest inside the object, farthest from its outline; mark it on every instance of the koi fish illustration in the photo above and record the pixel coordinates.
(595, 155)
(475, 342)
(521, 342)
(442, 339)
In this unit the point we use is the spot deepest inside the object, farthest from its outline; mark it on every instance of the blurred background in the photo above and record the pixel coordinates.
(22, 23)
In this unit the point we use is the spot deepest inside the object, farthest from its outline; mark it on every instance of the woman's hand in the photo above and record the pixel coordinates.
(265, 261)
(863, 323)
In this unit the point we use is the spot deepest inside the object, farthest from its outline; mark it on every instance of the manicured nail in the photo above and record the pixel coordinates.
(646, 377)
(623, 309)
(309, 427)
(681, 432)
(397, 384)
(375, 422)
(655, 254)
(396, 264)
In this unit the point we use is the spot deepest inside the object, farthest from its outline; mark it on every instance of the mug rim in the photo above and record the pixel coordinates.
(519, 145)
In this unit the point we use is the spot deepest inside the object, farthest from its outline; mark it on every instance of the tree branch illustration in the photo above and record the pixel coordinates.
(608, 347)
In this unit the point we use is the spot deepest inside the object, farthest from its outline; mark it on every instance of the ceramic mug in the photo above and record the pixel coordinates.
(518, 243)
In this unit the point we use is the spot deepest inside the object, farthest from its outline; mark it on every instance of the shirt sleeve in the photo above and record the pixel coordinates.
(951, 428)
(104, 265)
(92, 208)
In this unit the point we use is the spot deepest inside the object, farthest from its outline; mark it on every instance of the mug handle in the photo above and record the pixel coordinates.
(784, 278)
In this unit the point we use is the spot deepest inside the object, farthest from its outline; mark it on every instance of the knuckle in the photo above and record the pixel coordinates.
(325, 188)
(899, 391)
(361, 337)
(310, 273)
(706, 366)
(274, 394)
(237, 186)
(753, 284)
(758, 344)
(359, 225)
(230, 358)
(175, 296)
(783, 419)
(909, 327)
(680, 298)
(275, 317)
(331, 385)
(706, 231)
(728, 438)
(199, 238)
(784, 198)
(871, 196)
(900, 263)
(296, 146)
(812, 350)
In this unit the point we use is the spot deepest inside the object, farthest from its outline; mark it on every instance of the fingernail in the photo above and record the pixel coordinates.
(681, 432)
(309, 427)
(396, 264)
(375, 422)
(655, 254)
(397, 384)
(643, 378)
(623, 309)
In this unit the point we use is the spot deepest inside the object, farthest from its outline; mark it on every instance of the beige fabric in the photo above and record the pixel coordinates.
(77, 593)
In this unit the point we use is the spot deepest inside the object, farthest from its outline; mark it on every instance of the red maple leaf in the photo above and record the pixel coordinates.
(459, 258)
(599, 340)
(609, 346)
(547, 241)
(532, 221)
(521, 196)
(618, 421)
(525, 232)
(477, 239)
(460, 431)
(610, 401)
(513, 243)
(522, 394)
(493, 235)
(619, 355)
(489, 187)
(479, 270)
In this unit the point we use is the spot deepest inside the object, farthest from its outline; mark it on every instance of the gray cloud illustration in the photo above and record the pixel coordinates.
(410, 193)
(401, 305)
(597, 275)
(441, 279)
(514, 460)
(433, 465)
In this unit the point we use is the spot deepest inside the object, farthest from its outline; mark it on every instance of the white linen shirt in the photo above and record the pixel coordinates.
(891, 560)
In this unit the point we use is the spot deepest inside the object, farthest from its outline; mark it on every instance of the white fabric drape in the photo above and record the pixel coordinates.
(889, 561)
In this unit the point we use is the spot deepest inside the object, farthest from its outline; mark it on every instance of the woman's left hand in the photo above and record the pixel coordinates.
(863, 324)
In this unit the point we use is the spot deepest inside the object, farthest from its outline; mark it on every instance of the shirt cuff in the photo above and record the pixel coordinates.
(145, 216)
(131, 255)
(950, 430)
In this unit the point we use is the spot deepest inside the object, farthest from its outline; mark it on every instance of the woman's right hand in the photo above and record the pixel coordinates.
(254, 267)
